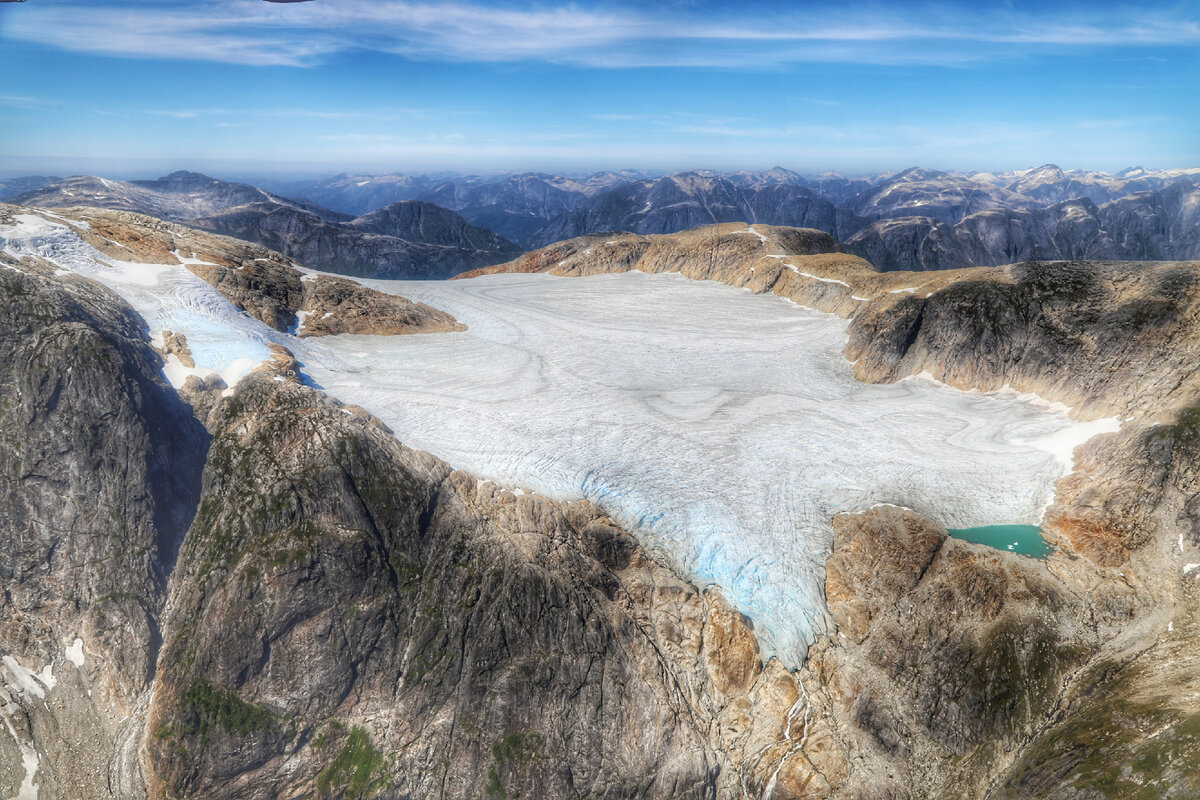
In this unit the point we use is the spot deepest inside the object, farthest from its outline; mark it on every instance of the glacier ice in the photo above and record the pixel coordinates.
(725, 429)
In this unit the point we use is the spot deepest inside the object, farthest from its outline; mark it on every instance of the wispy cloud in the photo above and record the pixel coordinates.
(255, 33)
(305, 113)
(19, 101)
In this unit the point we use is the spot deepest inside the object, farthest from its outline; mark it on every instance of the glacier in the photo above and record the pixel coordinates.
(724, 429)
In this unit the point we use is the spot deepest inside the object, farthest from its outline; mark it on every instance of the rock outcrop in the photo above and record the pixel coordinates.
(259, 282)
(337, 305)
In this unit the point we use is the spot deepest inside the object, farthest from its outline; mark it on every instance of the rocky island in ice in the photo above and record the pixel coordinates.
(723, 428)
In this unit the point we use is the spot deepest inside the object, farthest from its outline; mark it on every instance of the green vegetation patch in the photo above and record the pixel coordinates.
(356, 771)
(1104, 749)
(516, 748)
(206, 706)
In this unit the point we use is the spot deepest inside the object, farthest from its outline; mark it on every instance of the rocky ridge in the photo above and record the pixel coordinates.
(912, 219)
(258, 281)
(410, 239)
(99, 477)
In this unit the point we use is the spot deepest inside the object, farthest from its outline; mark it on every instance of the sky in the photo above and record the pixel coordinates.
(239, 88)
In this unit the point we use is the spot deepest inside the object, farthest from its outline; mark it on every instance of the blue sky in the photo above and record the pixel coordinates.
(245, 87)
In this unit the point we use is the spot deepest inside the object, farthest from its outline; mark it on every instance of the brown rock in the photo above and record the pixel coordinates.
(337, 305)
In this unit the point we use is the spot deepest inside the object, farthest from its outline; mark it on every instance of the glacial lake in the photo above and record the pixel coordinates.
(1025, 540)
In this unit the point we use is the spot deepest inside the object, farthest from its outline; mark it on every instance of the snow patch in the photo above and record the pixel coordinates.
(818, 278)
(1062, 444)
(753, 232)
(30, 763)
(27, 683)
(74, 652)
(191, 259)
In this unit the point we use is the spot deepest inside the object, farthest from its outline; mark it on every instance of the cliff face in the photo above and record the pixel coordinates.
(99, 467)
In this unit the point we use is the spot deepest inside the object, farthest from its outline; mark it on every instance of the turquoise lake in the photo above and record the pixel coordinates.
(1023, 539)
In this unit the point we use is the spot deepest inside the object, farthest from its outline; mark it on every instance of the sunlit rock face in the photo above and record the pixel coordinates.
(725, 429)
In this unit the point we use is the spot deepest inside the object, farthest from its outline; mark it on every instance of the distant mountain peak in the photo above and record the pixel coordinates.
(183, 176)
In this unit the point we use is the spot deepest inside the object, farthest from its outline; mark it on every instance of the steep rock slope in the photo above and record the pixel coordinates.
(1154, 225)
(100, 464)
(352, 616)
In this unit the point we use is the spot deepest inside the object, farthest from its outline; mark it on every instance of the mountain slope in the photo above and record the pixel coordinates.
(1163, 224)
(686, 200)
(409, 241)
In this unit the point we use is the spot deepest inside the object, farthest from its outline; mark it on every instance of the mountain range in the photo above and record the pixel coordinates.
(409, 239)
(435, 226)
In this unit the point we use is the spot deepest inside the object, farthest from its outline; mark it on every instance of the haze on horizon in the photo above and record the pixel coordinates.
(243, 87)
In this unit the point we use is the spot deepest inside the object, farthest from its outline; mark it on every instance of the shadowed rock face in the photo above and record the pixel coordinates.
(99, 476)
(1106, 337)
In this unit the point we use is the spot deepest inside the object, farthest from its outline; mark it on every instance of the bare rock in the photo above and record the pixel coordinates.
(336, 305)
